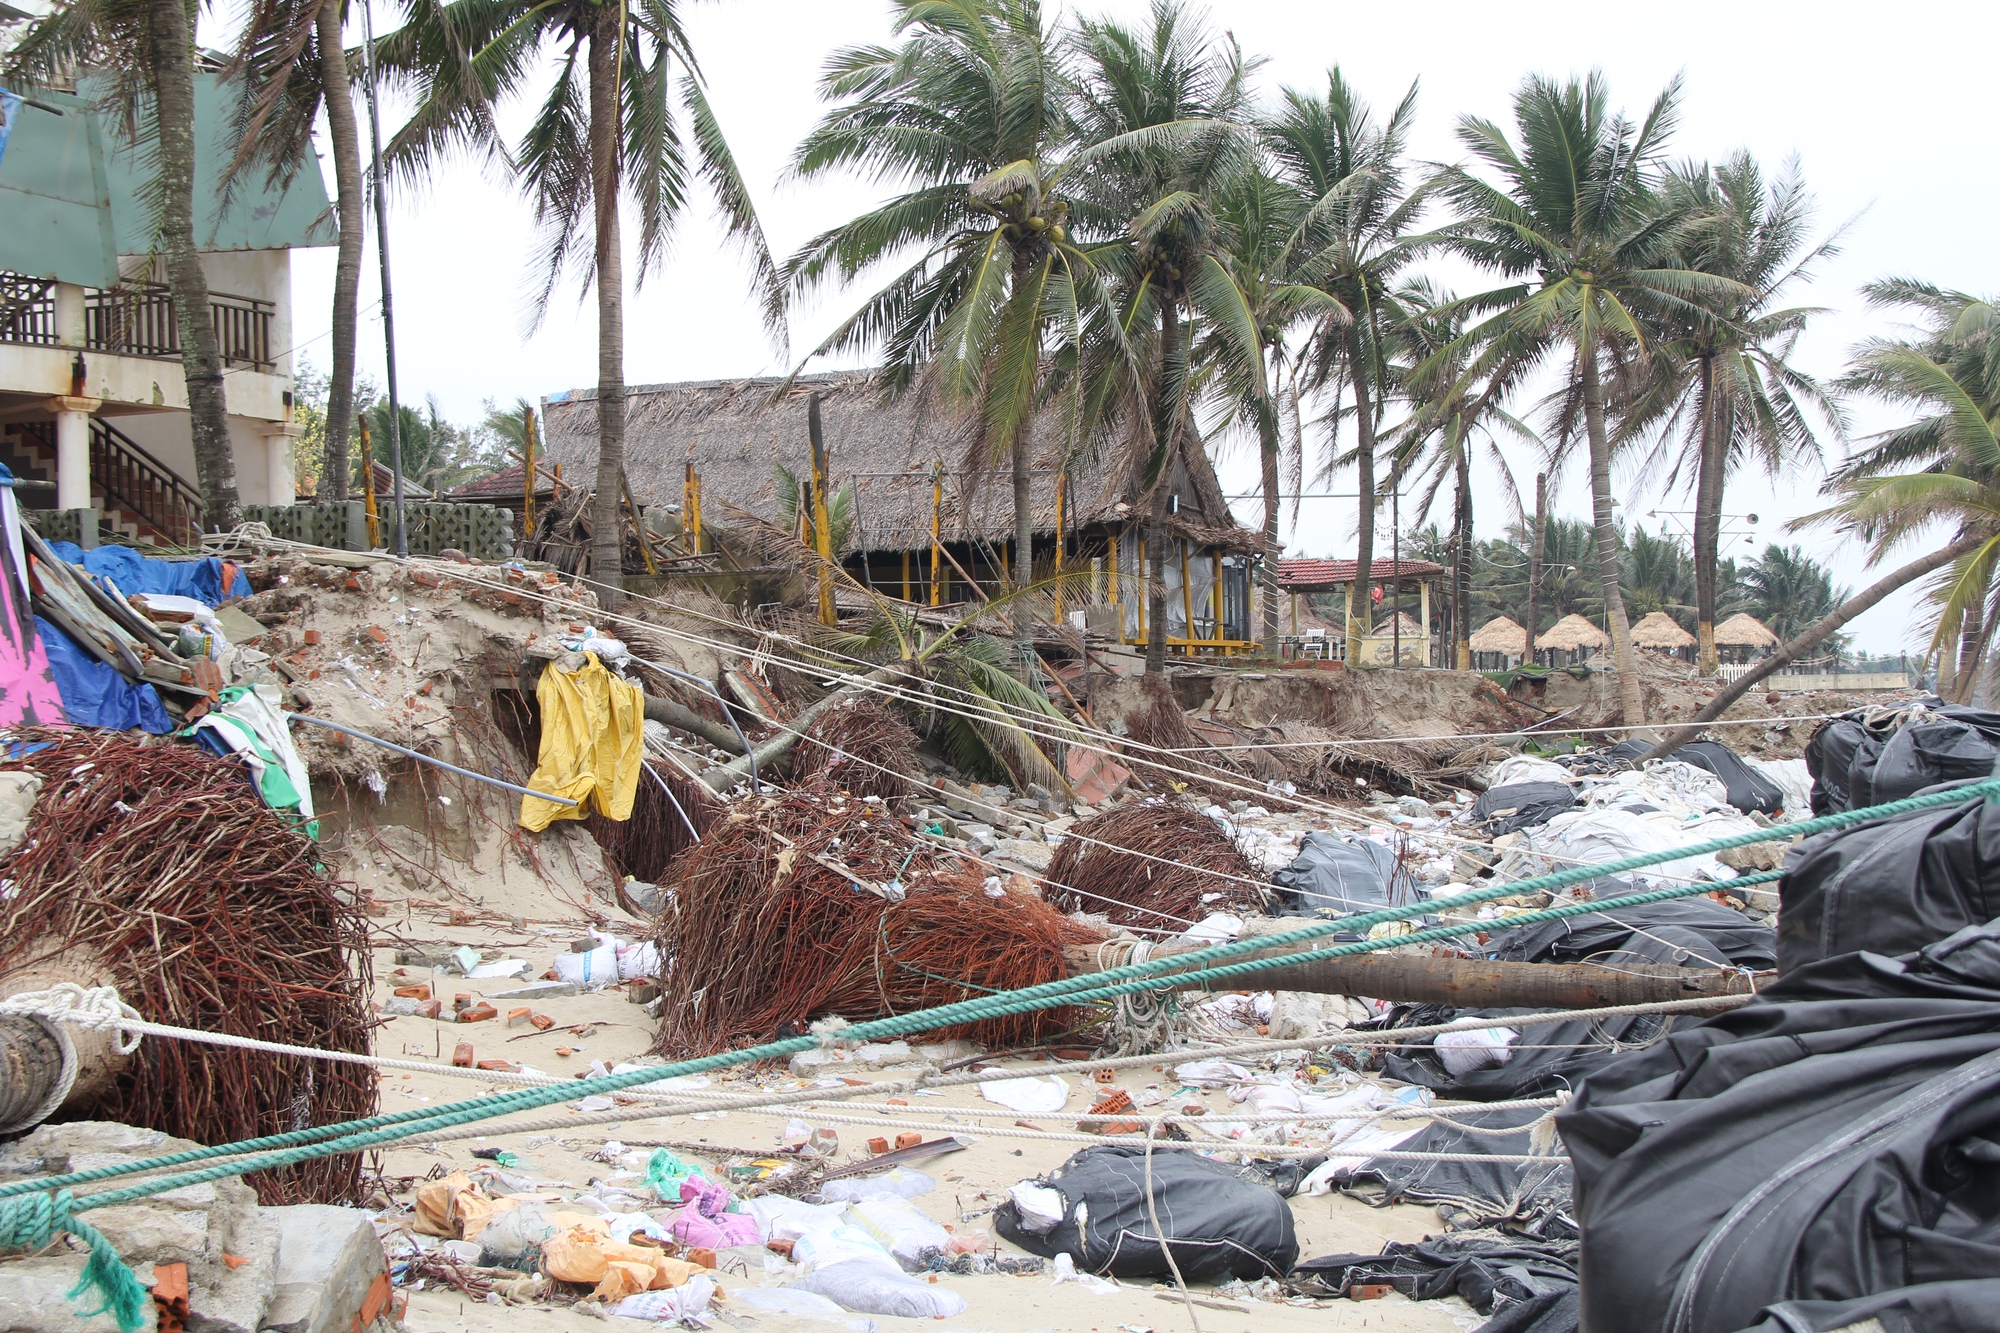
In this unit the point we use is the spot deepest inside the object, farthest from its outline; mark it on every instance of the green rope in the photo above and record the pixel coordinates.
(34, 1222)
(298, 1146)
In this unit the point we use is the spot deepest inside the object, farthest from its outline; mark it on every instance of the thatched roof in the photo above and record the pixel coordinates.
(1744, 630)
(1502, 634)
(1660, 630)
(738, 432)
(1573, 632)
(1387, 626)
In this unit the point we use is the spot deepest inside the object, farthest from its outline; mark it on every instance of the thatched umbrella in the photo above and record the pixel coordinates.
(1500, 635)
(1744, 630)
(1660, 630)
(1573, 634)
(1388, 626)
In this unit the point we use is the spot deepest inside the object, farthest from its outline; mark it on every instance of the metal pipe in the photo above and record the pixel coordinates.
(749, 751)
(671, 797)
(431, 759)
(388, 305)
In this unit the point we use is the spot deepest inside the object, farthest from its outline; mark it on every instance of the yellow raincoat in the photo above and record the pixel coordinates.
(592, 743)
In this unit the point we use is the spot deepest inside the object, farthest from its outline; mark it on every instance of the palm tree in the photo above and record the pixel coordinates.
(144, 49)
(293, 62)
(1788, 589)
(1952, 376)
(1259, 215)
(616, 124)
(1577, 222)
(1450, 414)
(1163, 110)
(968, 113)
(1352, 242)
(1723, 390)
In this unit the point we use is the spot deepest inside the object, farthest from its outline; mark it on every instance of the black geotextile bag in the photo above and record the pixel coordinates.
(1218, 1224)
(1968, 1306)
(1481, 1271)
(1746, 788)
(1682, 932)
(1874, 756)
(1892, 885)
(1838, 1138)
(1520, 805)
(1528, 1199)
(1332, 876)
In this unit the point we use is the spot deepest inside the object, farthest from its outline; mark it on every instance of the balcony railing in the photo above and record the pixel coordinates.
(135, 320)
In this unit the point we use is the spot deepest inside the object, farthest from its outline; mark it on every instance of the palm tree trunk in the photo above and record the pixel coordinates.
(1971, 643)
(1267, 439)
(1707, 523)
(1167, 443)
(1806, 641)
(1461, 581)
(1630, 695)
(1360, 618)
(345, 133)
(172, 56)
(1536, 545)
(1021, 458)
(607, 548)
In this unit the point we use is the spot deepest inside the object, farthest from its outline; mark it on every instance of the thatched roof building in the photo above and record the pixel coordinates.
(1502, 634)
(1660, 630)
(1574, 634)
(737, 433)
(1744, 630)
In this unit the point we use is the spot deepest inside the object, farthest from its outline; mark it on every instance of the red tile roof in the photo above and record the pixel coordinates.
(507, 481)
(1304, 574)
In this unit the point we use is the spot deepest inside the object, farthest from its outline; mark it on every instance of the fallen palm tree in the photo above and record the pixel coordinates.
(156, 867)
(812, 904)
(1152, 866)
(860, 746)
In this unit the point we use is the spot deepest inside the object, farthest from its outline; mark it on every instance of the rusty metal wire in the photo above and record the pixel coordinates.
(776, 921)
(865, 731)
(1208, 877)
(157, 867)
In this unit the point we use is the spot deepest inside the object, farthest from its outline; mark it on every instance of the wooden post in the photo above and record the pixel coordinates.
(1215, 595)
(1187, 597)
(1060, 479)
(638, 528)
(691, 509)
(528, 480)
(1114, 572)
(822, 528)
(1424, 611)
(368, 488)
(937, 530)
(906, 576)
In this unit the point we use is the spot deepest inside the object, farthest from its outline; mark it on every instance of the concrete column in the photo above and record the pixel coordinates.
(1424, 610)
(279, 466)
(69, 314)
(73, 450)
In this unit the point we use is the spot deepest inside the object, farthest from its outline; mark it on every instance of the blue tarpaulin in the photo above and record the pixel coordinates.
(135, 573)
(95, 694)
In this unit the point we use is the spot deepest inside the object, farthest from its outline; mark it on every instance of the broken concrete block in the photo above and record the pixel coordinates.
(400, 1006)
(328, 1262)
(539, 990)
(1025, 851)
(35, 1296)
(815, 1063)
(520, 1017)
(883, 1054)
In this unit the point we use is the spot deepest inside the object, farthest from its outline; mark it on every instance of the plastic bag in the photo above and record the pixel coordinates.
(598, 967)
(666, 1173)
(823, 1247)
(900, 1183)
(872, 1287)
(905, 1230)
(780, 1218)
(1029, 1096)
(638, 960)
(800, 1304)
(672, 1305)
(576, 1255)
(453, 1207)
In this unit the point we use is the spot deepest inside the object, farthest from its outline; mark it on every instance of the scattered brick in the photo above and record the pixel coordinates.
(431, 1009)
(462, 1056)
(499, 1066)
(419, 992)
(478, 1013)
(909, 1138)
(520, 1018)
(312, 638)
(541, 1022)
(377, 633)
(878, 1146)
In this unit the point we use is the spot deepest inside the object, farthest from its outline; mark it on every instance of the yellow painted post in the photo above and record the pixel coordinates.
(906, 576)
(691, 509)
(368, 488)
(528, 479)
(1215, 596)
(822, 527)
(1187, 598)
(937, 533)
(1117, 587)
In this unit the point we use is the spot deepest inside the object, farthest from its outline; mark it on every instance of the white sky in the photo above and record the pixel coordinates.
(1877, 100)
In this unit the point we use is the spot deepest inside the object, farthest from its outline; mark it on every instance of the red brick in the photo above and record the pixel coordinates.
(312, 638)
(498, 1066)
(431, 1009)
(520, 1018)
(478, 1013)
(541, 1022)
(909, 1138)
(418, 992)
(462, 1056)
(377, 633)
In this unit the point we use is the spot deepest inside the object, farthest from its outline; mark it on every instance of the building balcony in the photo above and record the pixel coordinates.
(135, 320)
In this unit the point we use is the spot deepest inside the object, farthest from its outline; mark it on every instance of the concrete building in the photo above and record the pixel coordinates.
(92, 394)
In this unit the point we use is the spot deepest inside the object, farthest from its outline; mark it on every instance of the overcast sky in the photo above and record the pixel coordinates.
(1878, 102)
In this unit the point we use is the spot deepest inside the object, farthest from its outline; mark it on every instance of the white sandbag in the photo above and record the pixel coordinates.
(1526, 768)
(901, 1227)
(671, 1304)
(1791, 778)
(597, 967)
(781, 1218)
(872, 1288)
(799, 1304)
(1462, 1053)
(900, 1182)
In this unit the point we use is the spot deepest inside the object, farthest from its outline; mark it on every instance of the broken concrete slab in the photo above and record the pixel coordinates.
(539, 990)
(1025, 851)
(34, 1297)
(329, 1266)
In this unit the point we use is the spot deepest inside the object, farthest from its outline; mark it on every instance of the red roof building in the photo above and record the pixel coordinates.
(1303, 574)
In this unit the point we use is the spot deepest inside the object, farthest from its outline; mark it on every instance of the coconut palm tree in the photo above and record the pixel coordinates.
(1260, 214)
(1723, 392)
(1353, 241)
(1789, 590)
(1164, 109)
(1951, 376)
(293, 63)
(969, 114)
(144, 50)
(626, 118)
(1576, 222)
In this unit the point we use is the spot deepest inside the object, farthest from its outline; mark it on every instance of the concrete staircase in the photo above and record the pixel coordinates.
(139, 498)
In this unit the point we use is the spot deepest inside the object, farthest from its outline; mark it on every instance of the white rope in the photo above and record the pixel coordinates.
(95, 1008)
